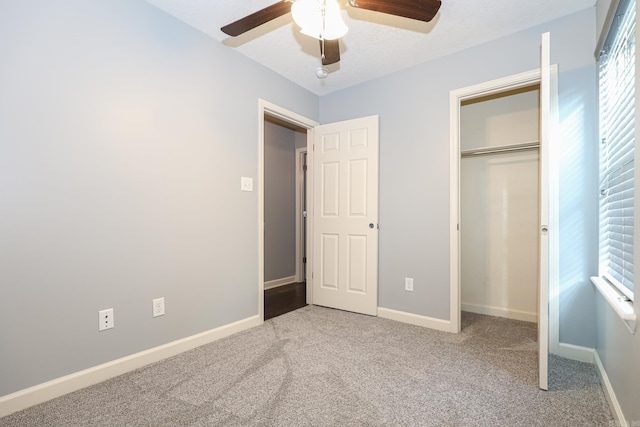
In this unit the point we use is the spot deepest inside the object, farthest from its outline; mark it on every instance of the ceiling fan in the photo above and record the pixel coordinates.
(321, 18)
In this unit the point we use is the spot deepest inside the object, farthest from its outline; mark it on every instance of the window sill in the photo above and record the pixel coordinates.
(624, 309)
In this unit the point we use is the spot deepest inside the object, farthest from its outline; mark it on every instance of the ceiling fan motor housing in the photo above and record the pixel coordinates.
(421, 10)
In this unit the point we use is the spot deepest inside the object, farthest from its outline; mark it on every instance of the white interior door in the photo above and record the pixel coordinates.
(543, 288)
(345, 203)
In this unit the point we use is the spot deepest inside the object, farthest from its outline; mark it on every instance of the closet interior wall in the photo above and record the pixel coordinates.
(499, 205)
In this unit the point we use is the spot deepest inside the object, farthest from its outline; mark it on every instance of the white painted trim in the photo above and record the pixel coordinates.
(310, 228)
(609, 393)
(265, 107)
(261, 111)
(455, 98)
(69, 383)
(543, 206)
(416, 319)
(508, 313)
(576, 352)
(554, 216)
(590, 355)
(279, 282)
(624, 309)
(299, 218)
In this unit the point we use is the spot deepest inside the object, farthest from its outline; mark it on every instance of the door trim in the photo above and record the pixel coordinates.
(300, 152)
(455, 98)
(265, 107)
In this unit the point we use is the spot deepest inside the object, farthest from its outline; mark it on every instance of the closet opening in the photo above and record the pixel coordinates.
(500, 205)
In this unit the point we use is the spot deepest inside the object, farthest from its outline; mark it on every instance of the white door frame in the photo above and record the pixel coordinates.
(456, 97)
(265, 107)
(300, 234)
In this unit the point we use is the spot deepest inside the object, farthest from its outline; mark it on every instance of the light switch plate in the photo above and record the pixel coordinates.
(246, 184)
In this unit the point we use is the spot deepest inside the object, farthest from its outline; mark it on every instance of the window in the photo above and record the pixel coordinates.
(617, 117)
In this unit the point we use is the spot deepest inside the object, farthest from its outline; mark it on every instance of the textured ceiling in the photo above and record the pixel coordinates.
(376, 44)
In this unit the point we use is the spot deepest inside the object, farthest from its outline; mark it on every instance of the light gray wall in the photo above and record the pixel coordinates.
(618, 350)
(279, 202)
(123, 137)
(414, 165)
(578, 193)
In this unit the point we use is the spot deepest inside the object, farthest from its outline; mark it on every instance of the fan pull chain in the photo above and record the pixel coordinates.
(324, 27)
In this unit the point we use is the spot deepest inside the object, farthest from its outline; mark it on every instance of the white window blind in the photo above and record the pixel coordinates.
(617, 117)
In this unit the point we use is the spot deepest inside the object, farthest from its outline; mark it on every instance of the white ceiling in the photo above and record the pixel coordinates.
(376, 44)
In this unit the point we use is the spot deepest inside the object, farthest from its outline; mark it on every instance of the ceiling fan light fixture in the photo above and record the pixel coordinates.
(320, 19)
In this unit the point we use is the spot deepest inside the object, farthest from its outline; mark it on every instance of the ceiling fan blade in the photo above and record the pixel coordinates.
(331, 52)
(256, 19)
(422, 10)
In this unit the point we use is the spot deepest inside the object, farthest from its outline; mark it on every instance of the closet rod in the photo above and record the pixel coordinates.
(534, 145)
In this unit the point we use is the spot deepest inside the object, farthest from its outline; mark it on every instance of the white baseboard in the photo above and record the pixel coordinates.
(590, 355)
(576, 352)
(609, 393)
(500, 312)
(279, 282)
(415, 319)
(60, 386)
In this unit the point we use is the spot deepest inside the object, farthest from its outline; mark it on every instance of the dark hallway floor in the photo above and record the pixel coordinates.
(284, 299)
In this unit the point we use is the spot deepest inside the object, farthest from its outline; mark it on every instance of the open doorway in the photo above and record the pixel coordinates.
(284, 118)
(358, 290)
(285, 152)
(499, 204)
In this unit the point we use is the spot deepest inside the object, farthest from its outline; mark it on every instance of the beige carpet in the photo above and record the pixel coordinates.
(323, 367)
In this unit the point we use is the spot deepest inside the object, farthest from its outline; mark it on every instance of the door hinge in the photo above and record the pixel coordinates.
(458, 227)
(304, 259)
(304, 168)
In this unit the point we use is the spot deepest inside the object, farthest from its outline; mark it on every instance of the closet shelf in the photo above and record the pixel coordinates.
(499, 149)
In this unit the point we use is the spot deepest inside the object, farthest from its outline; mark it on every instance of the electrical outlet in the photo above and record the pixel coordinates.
(246, 183)
(105, 319)
(408, 284)
(158, 307)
